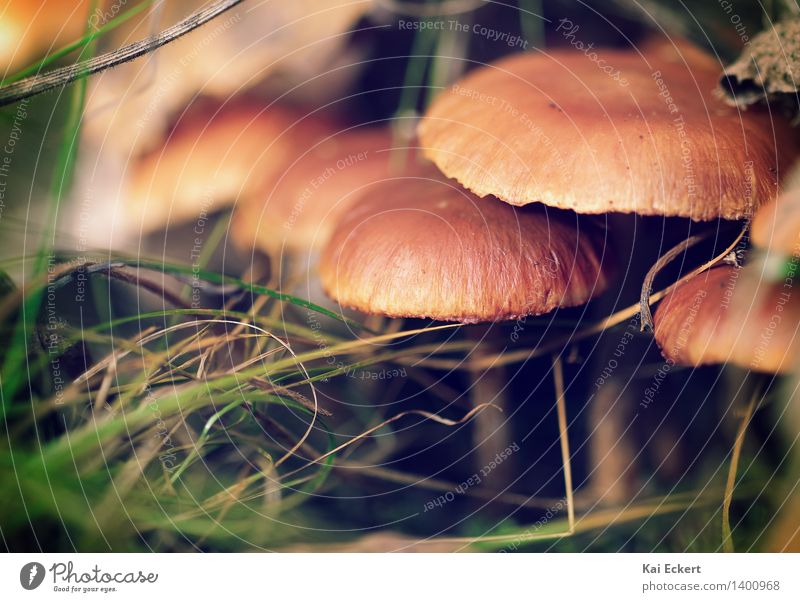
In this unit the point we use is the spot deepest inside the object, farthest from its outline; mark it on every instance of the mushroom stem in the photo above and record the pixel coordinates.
(492, 432)
(610, 447)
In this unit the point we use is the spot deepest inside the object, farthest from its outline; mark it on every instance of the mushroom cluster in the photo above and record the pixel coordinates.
(553, 128)
(481, 220)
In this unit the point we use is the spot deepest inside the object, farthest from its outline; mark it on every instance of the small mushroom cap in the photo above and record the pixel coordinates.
(29, 30)
(776, 226)
(214, 156)
(298, 207)
(425, 248)
(725, 315)
(625, 133)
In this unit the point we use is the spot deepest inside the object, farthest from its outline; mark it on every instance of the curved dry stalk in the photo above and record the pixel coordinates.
(37, 84)
(646, 317)
(647, 285)
(388, 421)
(727, 535)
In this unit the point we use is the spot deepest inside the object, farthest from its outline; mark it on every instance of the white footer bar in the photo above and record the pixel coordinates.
(401, 577)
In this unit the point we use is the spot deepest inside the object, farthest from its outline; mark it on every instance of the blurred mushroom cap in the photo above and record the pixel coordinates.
(270, 47)
(297, 208)
(425, 248)
(727, 315)
(30, 30)
(606, 130)
(215, 155)
(776, 226)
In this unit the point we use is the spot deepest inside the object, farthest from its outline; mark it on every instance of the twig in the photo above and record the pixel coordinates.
(646, 317)
(646, 299)
(37, 84)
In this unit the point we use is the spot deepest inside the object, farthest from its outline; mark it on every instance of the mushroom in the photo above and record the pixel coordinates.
(422, 247)
(425, 248)
(214, 156)
(300, 46)
(725, 315)
(29, 30)
(776, 226)
(606, 131)
(296, 209)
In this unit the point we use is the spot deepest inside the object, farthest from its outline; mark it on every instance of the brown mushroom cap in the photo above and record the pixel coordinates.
(622, 133)
(28, 30)
(725, 316)
(298, 208)
(776, 226)
(421, 247)
(215, 155)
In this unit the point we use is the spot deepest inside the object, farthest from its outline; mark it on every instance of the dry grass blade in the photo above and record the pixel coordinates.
(428, 415)
(60, 77)
(588, 522)
(647, 284)
(264, 385)
(254, 360)
(646, 298)
(727, 535)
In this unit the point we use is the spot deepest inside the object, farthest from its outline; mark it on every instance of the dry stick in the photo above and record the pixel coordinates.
(645, 316)
(37, 84)
(727, 535)
(148, 285)
(558, 378)
(647, 285)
